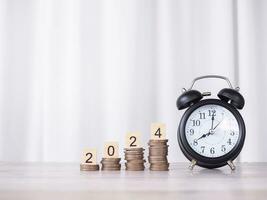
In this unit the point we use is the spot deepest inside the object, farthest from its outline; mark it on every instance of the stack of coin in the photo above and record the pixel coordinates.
(134, 159)
(87, 167)
(158, 152)
(111, 164)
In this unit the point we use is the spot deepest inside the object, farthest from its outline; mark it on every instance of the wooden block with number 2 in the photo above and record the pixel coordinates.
(89, 156)
(132, 140)
(111, 150)
(158, 131)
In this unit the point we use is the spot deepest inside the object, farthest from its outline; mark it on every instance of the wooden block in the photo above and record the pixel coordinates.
(111, 150)
(89, 156)
(158, 131)
(133, 140)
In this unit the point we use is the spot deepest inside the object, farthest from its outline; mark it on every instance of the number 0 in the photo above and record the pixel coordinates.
(111, 150)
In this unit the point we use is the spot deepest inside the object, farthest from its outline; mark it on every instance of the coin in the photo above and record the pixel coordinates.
(135, 169)
(134, 149)
(158, 152)
(134, 159)
(157, 142)
(159, 147)
(159, 164)
(110, 169)
(133, 153)
(87, 167)
(110, 164)
(111, 159)
(157, 157)
(158, 161)
(132, 164)
(164, 140)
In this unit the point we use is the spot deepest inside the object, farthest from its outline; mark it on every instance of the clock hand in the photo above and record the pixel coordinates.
(211, 131)
(203, 136)
(217, 125)
(212, 120)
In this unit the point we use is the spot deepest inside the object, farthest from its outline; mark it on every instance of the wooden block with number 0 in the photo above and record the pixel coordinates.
(158, 131)
(111, 150)
(133, 140)
(89, 156)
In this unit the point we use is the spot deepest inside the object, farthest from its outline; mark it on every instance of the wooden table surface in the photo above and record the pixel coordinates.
(65, 181)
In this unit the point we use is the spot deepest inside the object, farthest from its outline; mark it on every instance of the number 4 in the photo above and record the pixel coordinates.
(158, 131)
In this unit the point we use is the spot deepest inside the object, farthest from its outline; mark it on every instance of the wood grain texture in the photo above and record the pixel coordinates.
(65, 181)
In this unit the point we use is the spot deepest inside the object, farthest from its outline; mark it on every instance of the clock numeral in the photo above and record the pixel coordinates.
(223, 148)
(232, 133)
(202, 116)
(212, 112)
(229, 141)
(202, 149)
(212, 150)
(196, 122)
(195, 143)
(191, 131)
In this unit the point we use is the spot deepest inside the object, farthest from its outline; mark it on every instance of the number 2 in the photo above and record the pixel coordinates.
(89, 156)
(134, 140)
(89, 159)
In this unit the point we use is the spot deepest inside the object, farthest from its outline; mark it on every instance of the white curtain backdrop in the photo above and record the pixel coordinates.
(77, 73)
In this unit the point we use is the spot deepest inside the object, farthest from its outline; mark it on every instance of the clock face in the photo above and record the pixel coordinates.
(212, 131)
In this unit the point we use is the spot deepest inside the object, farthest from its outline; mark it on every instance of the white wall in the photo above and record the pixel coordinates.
(78, 73)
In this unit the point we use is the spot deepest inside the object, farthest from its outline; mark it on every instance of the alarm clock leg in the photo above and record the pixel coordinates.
(192, 164)
(231, 164)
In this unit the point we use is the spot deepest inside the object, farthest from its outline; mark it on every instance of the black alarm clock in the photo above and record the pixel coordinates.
(211, 132)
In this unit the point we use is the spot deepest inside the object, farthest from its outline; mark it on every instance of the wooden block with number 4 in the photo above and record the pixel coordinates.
(133, 140)
(158, 131)
(89, 156)
(111, 150)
